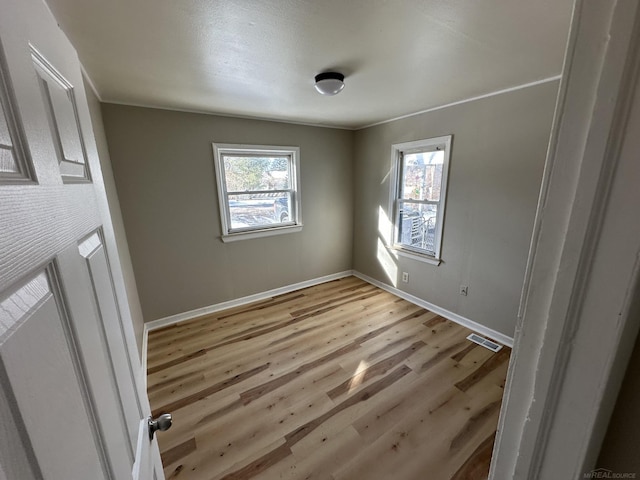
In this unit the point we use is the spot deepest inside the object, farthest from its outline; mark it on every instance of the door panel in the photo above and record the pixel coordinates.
(15, 165)
(92, 250)
(72, 400)
(37, 352)
(96, 367)
(15, 450)
(59, 98)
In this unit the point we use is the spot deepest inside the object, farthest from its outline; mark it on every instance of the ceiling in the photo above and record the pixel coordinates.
(257, 58)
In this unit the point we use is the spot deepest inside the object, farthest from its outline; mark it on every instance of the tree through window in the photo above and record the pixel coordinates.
(258, 189)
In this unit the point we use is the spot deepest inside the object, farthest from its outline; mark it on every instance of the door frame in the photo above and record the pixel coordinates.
(582, 275)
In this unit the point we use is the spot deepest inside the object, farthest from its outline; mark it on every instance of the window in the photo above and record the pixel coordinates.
(418, 196)
(258, 189)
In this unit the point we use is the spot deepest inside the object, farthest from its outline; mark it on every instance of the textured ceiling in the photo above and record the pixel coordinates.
(258, 57)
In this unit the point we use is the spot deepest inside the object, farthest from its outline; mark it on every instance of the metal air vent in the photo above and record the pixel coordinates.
(493, 346)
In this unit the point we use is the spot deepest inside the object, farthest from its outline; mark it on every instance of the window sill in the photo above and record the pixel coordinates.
(265, 232)
(415, 256)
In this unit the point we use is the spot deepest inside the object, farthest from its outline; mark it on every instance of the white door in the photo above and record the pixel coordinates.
(72, 401)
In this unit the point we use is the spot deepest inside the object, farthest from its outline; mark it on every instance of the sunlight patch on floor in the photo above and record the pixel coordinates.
(358, 377)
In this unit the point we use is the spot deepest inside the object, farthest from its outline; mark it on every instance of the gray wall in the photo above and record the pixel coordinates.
(497, 158)
(116, 214)
(163, 166)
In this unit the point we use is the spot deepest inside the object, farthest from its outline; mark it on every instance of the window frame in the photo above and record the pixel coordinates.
(230, 234)
(398, 151)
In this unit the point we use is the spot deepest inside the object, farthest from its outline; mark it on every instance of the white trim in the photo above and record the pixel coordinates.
(88, 79)
(466, 100)
(414, 256)
(228, 115)
(336, 127)
(200, 312)
(398, 150)
(265, 232)
(576, 331)
(41, 62)
(454, 317)
(293, 154)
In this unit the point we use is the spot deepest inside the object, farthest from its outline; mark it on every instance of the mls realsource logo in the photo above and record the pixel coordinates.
(604, 473)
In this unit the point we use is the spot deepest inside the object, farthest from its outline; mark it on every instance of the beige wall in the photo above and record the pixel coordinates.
(116, 215)
(163, 165)
(497, 158)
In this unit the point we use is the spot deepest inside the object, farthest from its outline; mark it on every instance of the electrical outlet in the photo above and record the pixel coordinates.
(405, 277)
(464, 290)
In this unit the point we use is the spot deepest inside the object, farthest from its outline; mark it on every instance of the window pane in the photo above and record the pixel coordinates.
(247, 174)
(259, 210)
(422, 175)
(417, 226)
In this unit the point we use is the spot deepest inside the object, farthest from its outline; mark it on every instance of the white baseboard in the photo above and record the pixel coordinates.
(454, 317)
(199, 312)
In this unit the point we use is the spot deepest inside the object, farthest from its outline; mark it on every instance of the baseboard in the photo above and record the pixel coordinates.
(454, 317)
(199, 312)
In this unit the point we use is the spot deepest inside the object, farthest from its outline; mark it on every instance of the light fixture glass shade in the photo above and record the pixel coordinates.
(329, 83)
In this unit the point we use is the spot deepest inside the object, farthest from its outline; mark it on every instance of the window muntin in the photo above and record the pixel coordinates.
(258, 189)
(419, 194)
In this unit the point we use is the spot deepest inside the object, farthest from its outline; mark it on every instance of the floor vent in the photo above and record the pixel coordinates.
(493, 346)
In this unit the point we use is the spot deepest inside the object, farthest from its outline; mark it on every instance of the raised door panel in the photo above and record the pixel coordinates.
(21, 27)
(96, 360)
(8, 161)
(14, 457)
(92, 250)
(15, 165)
(38, 353)
(59, 98)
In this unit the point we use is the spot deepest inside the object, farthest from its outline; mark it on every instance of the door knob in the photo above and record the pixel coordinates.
(162, 423)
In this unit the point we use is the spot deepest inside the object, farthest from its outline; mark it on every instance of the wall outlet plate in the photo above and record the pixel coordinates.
(464, 290)
(405, 277)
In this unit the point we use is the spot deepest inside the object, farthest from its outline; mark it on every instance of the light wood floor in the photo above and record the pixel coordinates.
(340, 381)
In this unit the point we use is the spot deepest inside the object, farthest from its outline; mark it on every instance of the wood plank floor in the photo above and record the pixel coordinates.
(339, 381)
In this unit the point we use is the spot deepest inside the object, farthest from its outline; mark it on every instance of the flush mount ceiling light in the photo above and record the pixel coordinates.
(329, 83)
